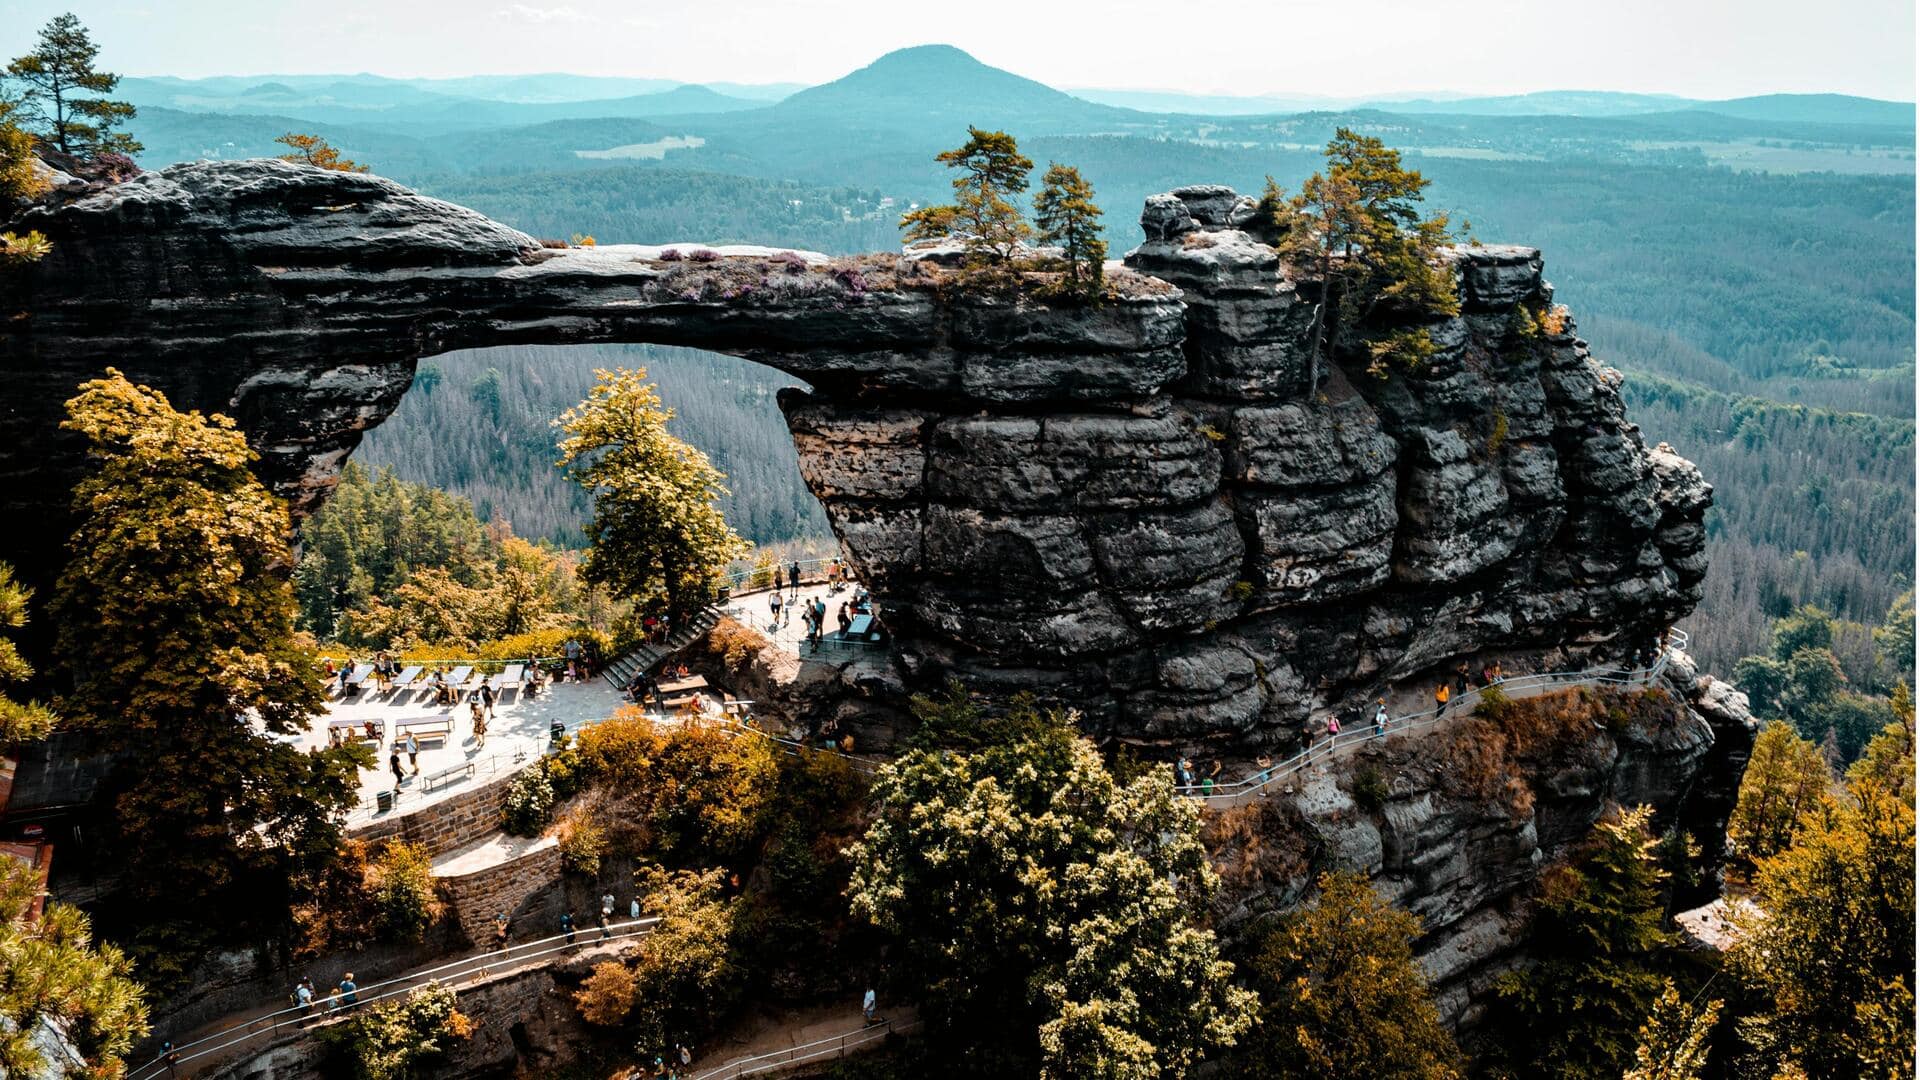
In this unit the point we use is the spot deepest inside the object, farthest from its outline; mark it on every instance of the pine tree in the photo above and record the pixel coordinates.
(1785, 778)
(657, 536)
(1574, 1013)
(314, 150)
(176, 624)
(992, 171)
(1359, 229)
(53, 976)
(1066, 215)
(19, 721)
(64, 93)
(1674, 1040)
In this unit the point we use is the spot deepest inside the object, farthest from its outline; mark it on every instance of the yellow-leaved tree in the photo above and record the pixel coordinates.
(657, 536)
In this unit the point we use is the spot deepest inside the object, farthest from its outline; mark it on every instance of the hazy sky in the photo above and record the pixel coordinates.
(1699, 48)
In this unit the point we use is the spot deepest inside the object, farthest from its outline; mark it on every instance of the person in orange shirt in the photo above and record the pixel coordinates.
(1440, 698)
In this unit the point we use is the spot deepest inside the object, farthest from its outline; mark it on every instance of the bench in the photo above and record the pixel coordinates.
(404, 680)
(355, 678)
(357, 729)
(427, 727)
(514, 676)
(462, 771)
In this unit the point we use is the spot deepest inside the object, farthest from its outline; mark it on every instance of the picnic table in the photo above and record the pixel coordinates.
(514, 675)
(684, 686)
(356, 677)
(405, 679)
(861, 627)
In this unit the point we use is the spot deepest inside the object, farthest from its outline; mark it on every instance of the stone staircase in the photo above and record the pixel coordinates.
(645, 658)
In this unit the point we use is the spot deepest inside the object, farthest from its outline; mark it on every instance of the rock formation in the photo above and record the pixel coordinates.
(1139, 508)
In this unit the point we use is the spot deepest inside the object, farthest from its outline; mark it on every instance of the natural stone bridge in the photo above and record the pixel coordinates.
(1136, 508)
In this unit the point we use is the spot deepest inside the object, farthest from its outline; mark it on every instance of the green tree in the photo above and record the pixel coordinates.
(1066, 215)
(1357, 226)
(992, 172)
(53, 976)
(401, 1038)
(18, 179)
(657, 536)
(314, 150)
(63, 94)
(20, 721)
(1594, 942)
(1831, 952)
(685, 975)
(1047, 916)
(1674, 1040)
(176, 621)
(1893, 642)
(1341, 994)
(1802, 680)
(1786, 777)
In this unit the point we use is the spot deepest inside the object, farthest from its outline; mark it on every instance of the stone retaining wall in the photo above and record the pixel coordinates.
(514, 886)
(450, 823)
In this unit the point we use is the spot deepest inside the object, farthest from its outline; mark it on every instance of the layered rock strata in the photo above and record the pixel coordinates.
(1139, 508)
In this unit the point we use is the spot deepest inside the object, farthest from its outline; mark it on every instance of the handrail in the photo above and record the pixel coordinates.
(1259, 780)
(311, 1016)
(831, 1046)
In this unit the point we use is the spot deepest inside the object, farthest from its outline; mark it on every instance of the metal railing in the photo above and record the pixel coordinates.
(303, 1019)
(833, 1046)
(1520, 686)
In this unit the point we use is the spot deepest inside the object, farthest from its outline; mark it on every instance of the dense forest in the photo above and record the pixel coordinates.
(479, 424)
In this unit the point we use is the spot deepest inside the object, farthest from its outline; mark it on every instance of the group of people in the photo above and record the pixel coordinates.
(343, 996)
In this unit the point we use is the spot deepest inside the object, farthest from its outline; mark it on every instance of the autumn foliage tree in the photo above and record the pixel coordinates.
(63, 99)
(992, 173)
(176, 628)
(314, 150)
(1341, 994)
(1786, 778)
(20, 721)
(1067, 217)
(657, 536)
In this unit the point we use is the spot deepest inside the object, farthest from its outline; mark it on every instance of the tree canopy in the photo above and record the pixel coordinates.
(63, 98)
(1786, 777)
(1341, 994)
(657, 536)
(176, 627)
(1066, 215)
(992, 173)
(1031, 895)
(20, 721)
(1801, 680)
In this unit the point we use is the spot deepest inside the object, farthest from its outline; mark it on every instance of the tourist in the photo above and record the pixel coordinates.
(1486, 674)
(1266, 771)
(347, 991)
(393, 762)
(1183, 773)
(500, 931)
(1462, 678)
(572, 652)
(1380, 714)
(1499, 676)
(1207, 782)
(685, 1055)
(773, 602)
(486, 695)
(606, 926)
(1441, 695)
(633, 908)
(479, 727)
(846, 619)
(303, 997)
(793, 577)
(413, 753)
(1333, 726)
(333, 1001)
(346, 673)
(536, 678)
(566, 926)
(868, 1004)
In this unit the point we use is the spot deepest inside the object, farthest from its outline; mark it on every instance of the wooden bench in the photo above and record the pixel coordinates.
(462, 771)
(357, 729)
(404, 680)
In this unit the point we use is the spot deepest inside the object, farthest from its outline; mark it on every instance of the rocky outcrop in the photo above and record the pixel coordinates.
(1140, 508)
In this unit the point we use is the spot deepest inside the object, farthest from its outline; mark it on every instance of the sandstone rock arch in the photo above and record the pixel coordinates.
(1137, 508)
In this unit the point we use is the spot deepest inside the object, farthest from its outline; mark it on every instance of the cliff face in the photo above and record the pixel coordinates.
(1139, 508)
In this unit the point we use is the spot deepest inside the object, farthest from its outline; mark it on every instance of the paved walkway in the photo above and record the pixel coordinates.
(517, 732)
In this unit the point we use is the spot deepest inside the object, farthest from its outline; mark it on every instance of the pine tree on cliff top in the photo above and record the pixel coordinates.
(64, 93)
(1066, 214)
(992, 172)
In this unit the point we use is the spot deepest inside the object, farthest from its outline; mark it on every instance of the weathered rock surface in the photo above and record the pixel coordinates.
(1140, 507)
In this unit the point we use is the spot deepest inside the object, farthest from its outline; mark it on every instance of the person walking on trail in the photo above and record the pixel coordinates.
(486, 695)
(1380, 719)
(566, 926)
(500, 931)
(479, 724)
(773, 602)
(1462, 678)
(685, 1055)
(867, 1007)
(793, 577)
(413, 753)
(1333, 726)
(303, 997)
(348, 991)
(606, 927)
(393, 762)
(1441, 695)
(633, 909)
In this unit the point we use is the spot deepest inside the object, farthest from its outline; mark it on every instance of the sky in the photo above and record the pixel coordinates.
(1340, 48)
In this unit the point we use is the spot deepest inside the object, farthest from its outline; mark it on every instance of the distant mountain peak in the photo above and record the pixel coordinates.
(941, 83)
